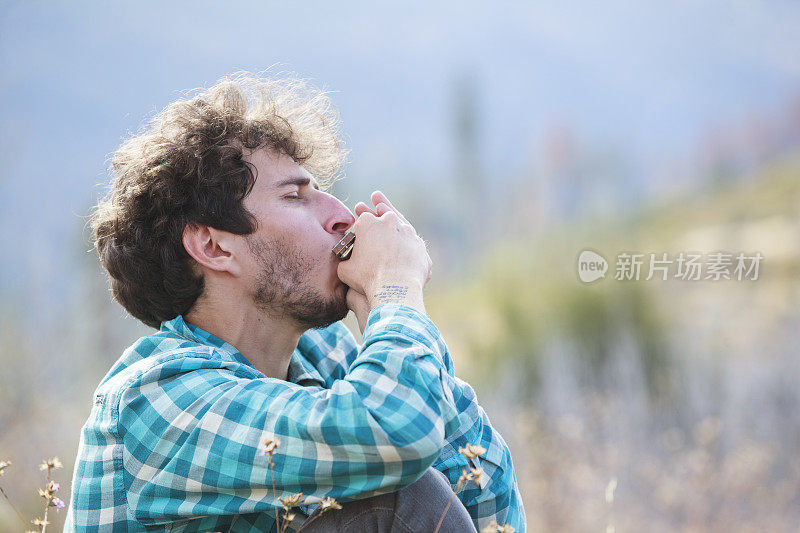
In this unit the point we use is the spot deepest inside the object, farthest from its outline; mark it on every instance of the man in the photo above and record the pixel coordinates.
(219, 233)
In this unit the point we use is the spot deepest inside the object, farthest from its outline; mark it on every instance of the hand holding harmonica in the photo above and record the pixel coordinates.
(383, 258)
(382, 205)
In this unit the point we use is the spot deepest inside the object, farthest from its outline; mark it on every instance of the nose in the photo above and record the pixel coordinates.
(339, 218)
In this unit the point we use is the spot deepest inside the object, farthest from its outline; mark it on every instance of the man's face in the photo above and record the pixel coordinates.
(291, 268)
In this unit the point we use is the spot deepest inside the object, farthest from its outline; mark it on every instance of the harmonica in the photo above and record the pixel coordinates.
(345, 246)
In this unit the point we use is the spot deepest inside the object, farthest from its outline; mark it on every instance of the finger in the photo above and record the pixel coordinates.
(357, 300)
(344, 273)
(382, 209)
(378, 197)
(362, 208)
(357, 303)
(352, 299)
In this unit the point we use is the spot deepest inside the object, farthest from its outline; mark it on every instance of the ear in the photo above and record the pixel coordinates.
(211, 248)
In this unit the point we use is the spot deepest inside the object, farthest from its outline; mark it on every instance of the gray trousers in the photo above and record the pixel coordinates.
(416, 508)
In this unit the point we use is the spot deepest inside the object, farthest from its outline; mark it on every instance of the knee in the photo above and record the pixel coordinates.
(424, 502)
(432, 485)
(417, 507)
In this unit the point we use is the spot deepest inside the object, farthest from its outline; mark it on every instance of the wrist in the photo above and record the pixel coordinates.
(396, 292)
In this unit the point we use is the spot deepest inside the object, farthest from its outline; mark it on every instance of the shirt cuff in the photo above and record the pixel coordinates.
(409, 323)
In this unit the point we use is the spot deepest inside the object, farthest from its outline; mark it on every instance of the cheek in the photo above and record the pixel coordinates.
(308, 236)
(304, 233)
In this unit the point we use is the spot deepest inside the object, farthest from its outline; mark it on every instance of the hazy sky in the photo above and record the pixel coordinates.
(648, 78)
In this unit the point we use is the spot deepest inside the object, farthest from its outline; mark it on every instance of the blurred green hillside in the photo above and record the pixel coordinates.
(524, 292)
(682, 394)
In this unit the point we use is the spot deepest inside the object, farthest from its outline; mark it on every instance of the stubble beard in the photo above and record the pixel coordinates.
(284, 287)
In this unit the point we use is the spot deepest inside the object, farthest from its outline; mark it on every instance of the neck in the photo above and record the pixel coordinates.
(267, 342)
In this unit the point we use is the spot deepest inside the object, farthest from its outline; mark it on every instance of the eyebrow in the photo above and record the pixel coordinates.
(299, 180)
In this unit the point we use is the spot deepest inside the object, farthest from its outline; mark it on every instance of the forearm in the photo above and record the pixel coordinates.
(496, 496)
(466, 423)
(403, 293)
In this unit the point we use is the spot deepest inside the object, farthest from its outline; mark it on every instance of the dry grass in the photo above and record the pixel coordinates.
(576, 476)
(51, 487)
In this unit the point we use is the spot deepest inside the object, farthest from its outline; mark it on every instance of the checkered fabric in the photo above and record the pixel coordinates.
(172, 439)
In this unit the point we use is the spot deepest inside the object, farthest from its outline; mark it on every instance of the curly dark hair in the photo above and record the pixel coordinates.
(185, 166)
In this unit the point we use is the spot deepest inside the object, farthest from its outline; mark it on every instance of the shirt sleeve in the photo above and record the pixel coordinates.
(497, 497)
(191, 429)
(331, 350)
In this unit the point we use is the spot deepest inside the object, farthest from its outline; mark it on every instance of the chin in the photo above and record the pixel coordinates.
(324, 312)
(323, 320)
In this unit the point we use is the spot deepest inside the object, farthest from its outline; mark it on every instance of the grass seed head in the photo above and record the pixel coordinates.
(50, 464)
(471, 451)
(268, 444)
(291, 501)
(329, 503)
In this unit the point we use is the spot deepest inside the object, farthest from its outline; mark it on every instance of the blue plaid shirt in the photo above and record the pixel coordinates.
(172, 439)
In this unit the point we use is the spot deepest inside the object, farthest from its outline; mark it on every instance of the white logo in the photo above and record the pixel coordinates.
(685, 266)
(591, 266)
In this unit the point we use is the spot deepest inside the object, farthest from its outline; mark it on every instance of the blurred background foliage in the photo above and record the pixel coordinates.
(513, 137)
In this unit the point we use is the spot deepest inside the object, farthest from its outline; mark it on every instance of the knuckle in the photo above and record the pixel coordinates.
(362, 221)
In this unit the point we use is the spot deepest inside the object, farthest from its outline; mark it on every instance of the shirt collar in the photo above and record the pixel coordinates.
(300, 369)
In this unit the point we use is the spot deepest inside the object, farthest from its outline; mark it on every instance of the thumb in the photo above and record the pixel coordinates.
(357, 303)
